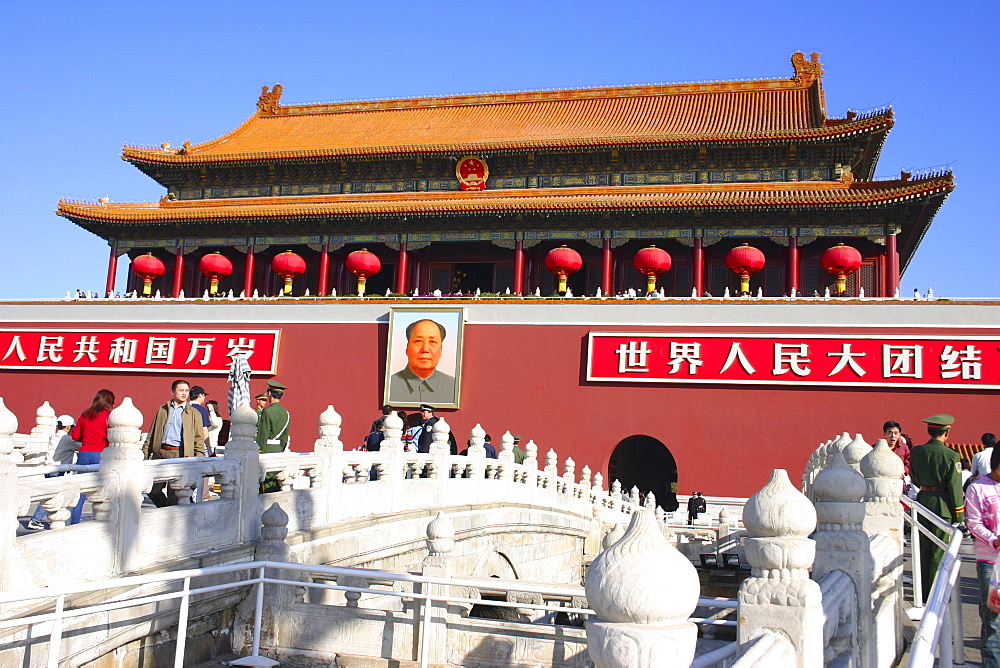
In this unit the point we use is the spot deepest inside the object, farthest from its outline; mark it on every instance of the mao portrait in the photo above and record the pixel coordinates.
(424, 355)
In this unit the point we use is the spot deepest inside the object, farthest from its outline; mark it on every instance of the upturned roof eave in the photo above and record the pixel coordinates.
(573, 201)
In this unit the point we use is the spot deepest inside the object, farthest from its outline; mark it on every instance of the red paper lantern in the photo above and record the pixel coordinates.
(363, 263)
(148, 268)
(288, 265)
(215, 266)
(652, 262)
(842, 261)
(562, 262)
(745, 260)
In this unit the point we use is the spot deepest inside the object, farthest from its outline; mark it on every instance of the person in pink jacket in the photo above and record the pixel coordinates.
(982, 515)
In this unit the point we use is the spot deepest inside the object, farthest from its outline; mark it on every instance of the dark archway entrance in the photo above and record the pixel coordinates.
(644, 462)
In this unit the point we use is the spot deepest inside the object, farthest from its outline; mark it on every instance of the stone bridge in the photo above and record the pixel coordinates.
(529, 522)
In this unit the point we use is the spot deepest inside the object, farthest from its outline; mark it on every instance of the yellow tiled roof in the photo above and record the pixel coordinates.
(770, 109)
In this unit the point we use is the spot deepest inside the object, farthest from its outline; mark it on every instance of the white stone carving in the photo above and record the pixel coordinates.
(643, 592)
(779, 595)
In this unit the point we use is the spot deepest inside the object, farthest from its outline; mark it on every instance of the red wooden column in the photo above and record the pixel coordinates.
(892, 265)
(793, 264)
(607, 259)
(324, 270)
(402, 268)
(698, 267)
(109, 289)
(178, 271)
(248, 272)
(518, 267)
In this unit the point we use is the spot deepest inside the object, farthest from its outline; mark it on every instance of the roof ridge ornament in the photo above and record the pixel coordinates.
(807, 72)
(268, 102)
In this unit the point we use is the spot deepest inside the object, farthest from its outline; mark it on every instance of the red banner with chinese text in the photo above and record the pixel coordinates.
(146, 350)
(848, 361)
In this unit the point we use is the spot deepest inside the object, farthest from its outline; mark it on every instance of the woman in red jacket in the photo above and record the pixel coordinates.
(91, 431)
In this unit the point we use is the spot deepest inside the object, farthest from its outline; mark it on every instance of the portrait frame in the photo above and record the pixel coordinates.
(401, 387)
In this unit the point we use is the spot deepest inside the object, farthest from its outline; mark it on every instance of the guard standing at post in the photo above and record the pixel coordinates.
(272, 430)
(936, 470)
(273, 423)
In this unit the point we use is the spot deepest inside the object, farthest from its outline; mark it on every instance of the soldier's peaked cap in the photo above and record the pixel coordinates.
(275, 385)
(262, 395)
(940, 420)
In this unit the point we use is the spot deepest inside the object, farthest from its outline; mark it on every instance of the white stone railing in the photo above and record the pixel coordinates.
(824, 584)
(331, 484)
(184, 476)
(59, 495)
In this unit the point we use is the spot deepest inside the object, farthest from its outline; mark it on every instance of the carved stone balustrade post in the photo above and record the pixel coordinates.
(838, 445)
(613, 536)
(331, 452)
(778, 595)
(440, 449)
(855, 451)
(392, 449)
(506, 457)
(551, 470)
(242, 449)
(277, 597)
(842, 544)
(883, 472)
(125, 481)
(531, 455)
(643, 592)
(8, 497)
(477, 452)
(45, 421)
(438, 563)
(598, 489)
(569, 474)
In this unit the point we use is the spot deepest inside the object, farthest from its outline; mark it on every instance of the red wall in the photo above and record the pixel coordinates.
(529, 379)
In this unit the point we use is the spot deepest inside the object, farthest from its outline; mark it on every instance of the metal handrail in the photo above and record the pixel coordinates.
(943, 609)
(60, 593)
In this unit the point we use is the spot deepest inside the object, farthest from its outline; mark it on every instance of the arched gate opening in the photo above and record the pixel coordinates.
(644, 462)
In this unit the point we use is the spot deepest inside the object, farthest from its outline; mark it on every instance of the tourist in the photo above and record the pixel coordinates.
(966, 473)
(696, 506)
(176, 431)
(377, 422)
(982, 512)
(934, 468)
(65, 449)
(893, 435)
(216, 429)
(981, 460)
(197, 397)
(91, 430)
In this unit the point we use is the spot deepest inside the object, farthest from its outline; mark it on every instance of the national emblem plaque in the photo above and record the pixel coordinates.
(472, 173)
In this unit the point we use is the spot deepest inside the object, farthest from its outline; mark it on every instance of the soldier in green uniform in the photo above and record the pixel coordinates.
(272, 429)
(936, 470)
(260, 402)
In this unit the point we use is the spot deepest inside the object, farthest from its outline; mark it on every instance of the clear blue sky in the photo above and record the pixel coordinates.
(84, 78)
